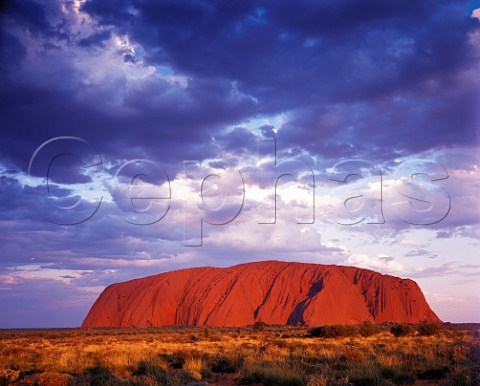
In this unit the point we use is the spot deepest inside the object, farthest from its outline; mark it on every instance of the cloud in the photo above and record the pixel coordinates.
(215, 83)
(231, 63)
(9, 280)
(96, 39)
(411, 243)
(377, 263)
(476, 13)
(421, 253)
(435, 271)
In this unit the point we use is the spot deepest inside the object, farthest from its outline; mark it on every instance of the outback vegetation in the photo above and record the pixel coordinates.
(360, 355)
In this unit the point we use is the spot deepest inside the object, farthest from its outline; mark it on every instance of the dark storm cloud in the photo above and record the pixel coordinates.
(12, 51)
(380, 80)
(238, 140)
(96, 39)
(163, 129)
(50, 96)
(443, 113)
(268, 48)
(396, 61)
(29, 14)
(390, 67)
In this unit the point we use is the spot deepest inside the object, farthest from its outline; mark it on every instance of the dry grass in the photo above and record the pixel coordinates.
(227, 356)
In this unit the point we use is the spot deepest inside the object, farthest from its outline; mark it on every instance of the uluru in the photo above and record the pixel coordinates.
(274, 292)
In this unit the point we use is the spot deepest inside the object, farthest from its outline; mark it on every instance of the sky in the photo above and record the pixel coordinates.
(139, 137)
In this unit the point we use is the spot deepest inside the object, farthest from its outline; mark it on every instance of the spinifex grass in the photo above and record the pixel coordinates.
(228, 356)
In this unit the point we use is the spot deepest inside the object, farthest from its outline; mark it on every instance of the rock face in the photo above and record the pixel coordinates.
(272, 291)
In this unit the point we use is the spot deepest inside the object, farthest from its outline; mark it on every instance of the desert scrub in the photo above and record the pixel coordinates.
(367, 374)
(398, 375)
(194, 366)
(270, 375)
(259, 326)
(334, 331)
(99, 376)
(399, 330)
(367, 329)
(163, 356)
(9, 376)
(428, 329)
(55, 379)
(317, 380)
(152, 372)
(222, 364)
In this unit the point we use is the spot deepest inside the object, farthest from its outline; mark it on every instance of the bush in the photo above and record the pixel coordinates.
(177, 359)
(273, 379)
(141, 369)
(99, 376)
(399, 330)
(365, 380)
(434, 373)
(194, 366)
(368, 329)
(9, 376)
(206, 333)
(404, 378)
(333, 331)
(270, 376)
(459, 380)
(428, 329)
(222, 364)
(151, 370)
(55, 379)
(259, 326)
(250, 375)
(317, 380)
(398, 376)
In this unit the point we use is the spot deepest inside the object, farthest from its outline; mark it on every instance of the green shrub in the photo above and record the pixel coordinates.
(388, 373)
(221, 364)
(367, 373)
(99, 376)
(399, 330)
(273, 379)
(259, 326)
(206, 333)
(367, 328)
(151, 370)
(333, 331)
(399, 376)
(141, 369)
(459, 380)
(404, 378)
(366, 380)
(428, 329)
(177, 359)
(270, 376)
(434, 373)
